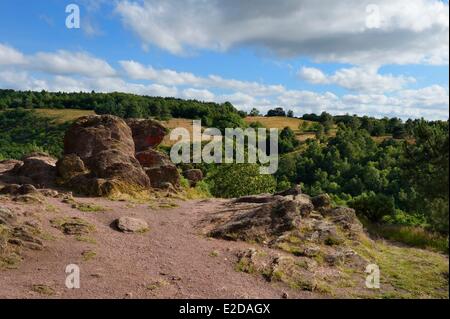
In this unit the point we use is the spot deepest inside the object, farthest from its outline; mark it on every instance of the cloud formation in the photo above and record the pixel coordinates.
(81, 71)
(408, 31)
(360, 79)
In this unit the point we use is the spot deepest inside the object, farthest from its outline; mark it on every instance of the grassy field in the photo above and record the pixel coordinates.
(280, 123)
(63, 115)
(276, 122)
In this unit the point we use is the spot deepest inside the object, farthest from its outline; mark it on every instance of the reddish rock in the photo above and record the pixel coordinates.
(147, 133)
(161, 177)
(37, 169)
(7, 165)
(99, 158)
(152, 158)
(90, 135)
(193, 176)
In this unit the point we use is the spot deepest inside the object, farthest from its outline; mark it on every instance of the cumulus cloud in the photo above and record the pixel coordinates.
(138, 71)
(200, 95)
(10, 56)
(409, 31)
(61, 62)
(74, 72)
(361, 79)
(65, 62)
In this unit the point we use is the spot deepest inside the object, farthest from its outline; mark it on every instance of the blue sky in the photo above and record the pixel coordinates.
(304, 55)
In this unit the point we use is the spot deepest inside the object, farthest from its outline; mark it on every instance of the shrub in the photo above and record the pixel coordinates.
(235, 180)
(373, 206)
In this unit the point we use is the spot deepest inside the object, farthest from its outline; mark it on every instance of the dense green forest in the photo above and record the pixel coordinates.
(401, 180)
(127, 106)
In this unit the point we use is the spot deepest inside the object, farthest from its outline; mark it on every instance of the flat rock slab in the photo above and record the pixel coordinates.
(131, 225)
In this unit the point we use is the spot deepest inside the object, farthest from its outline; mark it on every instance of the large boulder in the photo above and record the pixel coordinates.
(7, 165)
(147, 133)
(90, 135)
(37, 169)
(164, 176)
(152, 158)
(99, 158)
(159, 168)
(261, 222)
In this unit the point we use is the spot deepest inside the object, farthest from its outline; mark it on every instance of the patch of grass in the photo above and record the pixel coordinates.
(63, 115)
(245, 265)
(411, 272)
(9, 256)
(72, 225)
(214, 253)
(157, 285)
(86, 239)
(292, 249)
(46, 236)
(411, 236)
(51, 208)
(10, 261)
(88, 208)
(88, 255)
(163, 205)
(43, 290)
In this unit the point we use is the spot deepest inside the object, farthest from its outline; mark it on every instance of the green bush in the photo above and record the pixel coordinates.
(373, 206)
(23, 132)
(235, 180)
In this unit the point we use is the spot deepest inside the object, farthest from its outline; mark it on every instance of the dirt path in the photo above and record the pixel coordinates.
(172, 260)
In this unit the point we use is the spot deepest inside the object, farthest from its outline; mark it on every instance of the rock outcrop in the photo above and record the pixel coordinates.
(37, 169)
(147, 133)
(302, 239)
(193, 176)
(296, 223)
(99, 158)
(103, 156)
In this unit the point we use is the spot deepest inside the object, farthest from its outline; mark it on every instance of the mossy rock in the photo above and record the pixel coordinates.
(73, 226)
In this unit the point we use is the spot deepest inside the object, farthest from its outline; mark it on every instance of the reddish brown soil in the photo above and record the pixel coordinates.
(173, 253)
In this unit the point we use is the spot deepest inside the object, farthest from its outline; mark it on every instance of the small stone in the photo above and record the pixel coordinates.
(285, 295)
(131, 225)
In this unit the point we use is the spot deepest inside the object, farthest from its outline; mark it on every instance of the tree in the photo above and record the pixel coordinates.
(427, 168)
(373, 206)
(276, 112)
(290, 113)
(254, 112)
(235, 180)
(287, 141)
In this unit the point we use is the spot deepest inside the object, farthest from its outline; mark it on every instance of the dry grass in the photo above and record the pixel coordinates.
(178, 123)
(280, 123)
(276, 122)
(64, 115)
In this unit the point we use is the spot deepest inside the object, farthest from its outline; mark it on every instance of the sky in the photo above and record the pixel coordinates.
(375, 57)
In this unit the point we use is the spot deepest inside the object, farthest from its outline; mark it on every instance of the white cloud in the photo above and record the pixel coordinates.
(138, 71)
(410, 31)
(10, 56)
(313, 75)
(60, 63)
(65, 62)
(361, 79)
(200, 95)
(73, 72)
